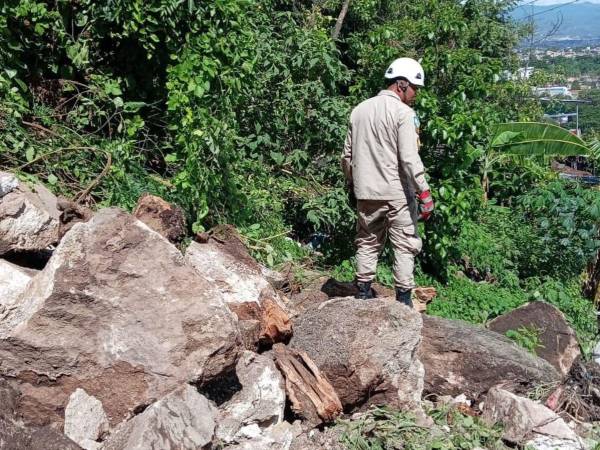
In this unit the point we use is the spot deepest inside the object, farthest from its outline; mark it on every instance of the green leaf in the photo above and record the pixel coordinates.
(52, 179)
(118, 101)
(534, 138)
(277, 157)
(30, 154)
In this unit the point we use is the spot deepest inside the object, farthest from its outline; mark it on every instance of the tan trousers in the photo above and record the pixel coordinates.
(376, 220)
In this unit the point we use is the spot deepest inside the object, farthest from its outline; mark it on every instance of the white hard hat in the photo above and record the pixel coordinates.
(407, 68)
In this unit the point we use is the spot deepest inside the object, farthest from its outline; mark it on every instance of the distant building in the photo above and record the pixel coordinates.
(552, 91)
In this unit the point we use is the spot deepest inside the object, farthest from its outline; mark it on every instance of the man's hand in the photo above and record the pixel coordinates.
(425, 205)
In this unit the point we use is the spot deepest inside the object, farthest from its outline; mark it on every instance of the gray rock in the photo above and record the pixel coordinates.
(13, 281)
(367, 350)
(182, 420)
(276, 437)
(550, 443)
(85, 419)
(29, 217)
(524, 419)
(463, 358)
(245, 290)
(597, 353)
(558, 341)
(8, 182)
(116, 312)
(327, 439)
(260, 402)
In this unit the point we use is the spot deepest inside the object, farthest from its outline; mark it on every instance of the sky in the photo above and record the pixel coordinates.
(558, 2)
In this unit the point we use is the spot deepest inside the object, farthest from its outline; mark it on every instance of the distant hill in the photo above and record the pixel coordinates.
(580, 21)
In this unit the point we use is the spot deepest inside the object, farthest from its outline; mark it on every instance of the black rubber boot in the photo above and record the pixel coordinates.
(364, 290)
(403, 296)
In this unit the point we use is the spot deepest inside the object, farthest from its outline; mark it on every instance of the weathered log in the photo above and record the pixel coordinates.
(309, 391)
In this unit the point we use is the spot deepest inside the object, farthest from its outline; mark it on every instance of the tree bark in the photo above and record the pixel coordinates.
(310, 393)
(340, 20)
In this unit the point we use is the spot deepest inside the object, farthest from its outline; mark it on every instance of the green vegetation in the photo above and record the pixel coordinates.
(382, 428)
(569, 67)
(236, 110)
(526, 337)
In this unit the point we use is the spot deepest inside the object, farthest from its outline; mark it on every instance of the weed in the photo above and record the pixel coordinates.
(383, 428)
(526, 337)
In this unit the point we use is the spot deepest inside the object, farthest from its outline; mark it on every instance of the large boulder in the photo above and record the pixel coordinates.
(118, 313)
(164, 218)
(13, 281)
(260, 402)
(322, 289)
(183, 420)
(558, 341)
(367, 350)
(463, 358)
(526, 421)
(29, 217)
(245, 290)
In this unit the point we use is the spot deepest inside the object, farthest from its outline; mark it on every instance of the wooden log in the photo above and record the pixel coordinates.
(311, 395)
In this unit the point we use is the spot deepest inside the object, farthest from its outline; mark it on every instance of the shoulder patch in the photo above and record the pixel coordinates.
(417, 122)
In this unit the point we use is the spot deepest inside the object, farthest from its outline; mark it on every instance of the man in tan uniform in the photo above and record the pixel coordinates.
(382, 164)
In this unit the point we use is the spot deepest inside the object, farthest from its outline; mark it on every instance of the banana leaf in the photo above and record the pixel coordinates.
(534, 138)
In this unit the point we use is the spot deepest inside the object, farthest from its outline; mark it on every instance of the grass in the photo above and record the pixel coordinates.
(385, 429)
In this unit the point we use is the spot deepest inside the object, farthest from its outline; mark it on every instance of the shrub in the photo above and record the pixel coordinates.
(474, 302)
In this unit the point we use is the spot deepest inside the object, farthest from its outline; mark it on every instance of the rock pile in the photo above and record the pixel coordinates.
(123, 342)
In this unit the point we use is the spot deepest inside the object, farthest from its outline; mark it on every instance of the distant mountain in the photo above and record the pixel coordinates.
(578, 21)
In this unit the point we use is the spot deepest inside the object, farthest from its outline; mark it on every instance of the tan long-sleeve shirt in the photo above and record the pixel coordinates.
(381, 152)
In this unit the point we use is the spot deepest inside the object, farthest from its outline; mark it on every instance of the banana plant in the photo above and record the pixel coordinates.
(525, 139)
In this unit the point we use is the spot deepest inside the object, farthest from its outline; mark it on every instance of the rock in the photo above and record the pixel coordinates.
(422, 296)
(524, 419)
(260, 402)
(278, 280)
(118, 313)
(85, 419)
(549, 443)
(28, 216)
(276, 437)
(366, 349)
(15, 436)
(309, 392)
(315, 439)
(166, 219)
(13, 281)
(8, 183)
(597, 353)
(324, 288)
(558, 341)
(70, 214)
(463, 358)
(245, 290)
(183, 420)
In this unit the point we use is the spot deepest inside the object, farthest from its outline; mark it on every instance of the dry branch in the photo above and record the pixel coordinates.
(310, 393)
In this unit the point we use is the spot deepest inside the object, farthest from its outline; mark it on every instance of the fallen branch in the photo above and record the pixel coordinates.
(310, 393)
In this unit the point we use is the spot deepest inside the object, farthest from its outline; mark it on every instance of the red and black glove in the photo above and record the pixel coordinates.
(425, 205)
